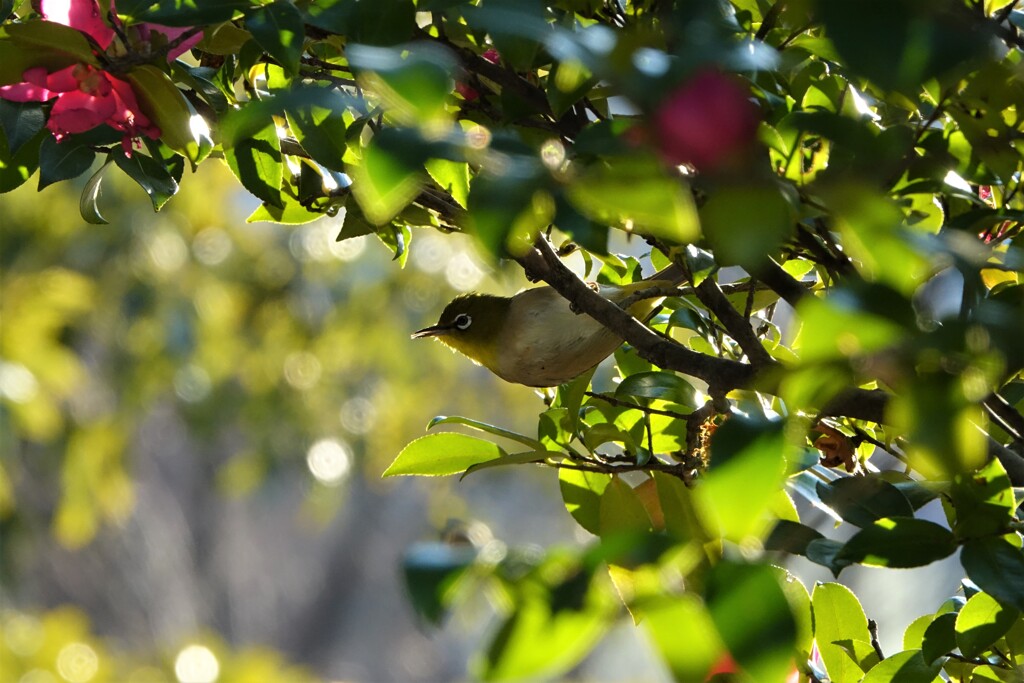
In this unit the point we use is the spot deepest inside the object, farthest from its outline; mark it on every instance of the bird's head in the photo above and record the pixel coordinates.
(471, 324)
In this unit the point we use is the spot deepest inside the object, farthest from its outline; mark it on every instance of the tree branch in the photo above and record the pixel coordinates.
(712, 296)
(782, 283)
(721, 374)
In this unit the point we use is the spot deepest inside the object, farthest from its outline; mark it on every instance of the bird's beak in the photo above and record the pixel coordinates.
(432, 331)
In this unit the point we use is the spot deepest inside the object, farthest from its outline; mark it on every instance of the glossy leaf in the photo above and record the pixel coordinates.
(791, 537)
(863, 500)
(62, 161)
(431, 572)
(684, 619)
(257, 163)
(745, 225)
(279, 30)
(747, 470)
(997, 567)
(183, 12)
(540, 640)
(88, 204)
(441, 454)
(939, 638)
(664, 386)
(981, 622)
(20, 121)
(984, 501)
(384, 183)
(753, 617)
(181, 127)
(581, 492)
(413, 82)
(51, 36)
(838, 621)
(484, 427)
(621, 510)
(637, 190)
(150, 174)
(899, 542)
(903, 667)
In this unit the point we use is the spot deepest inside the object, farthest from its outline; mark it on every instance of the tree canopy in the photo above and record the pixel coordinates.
(840, 183)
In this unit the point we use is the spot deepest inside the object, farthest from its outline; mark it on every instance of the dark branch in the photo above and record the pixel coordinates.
(782, 283)
(738, 327)
(721, 374)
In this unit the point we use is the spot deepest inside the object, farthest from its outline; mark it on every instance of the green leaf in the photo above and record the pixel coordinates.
(431, 572)
(983, 500)
(321, 132)
(860, 332)
(384, 183)
(753, 616)
(621, 510)
(664, 386)
(581, 493)
(872, 230)
(747, 470)
(441, 454)
(899, 542)
(256, 162)
(981, 622)
(452, 176)
(997, 567)
(15, 59)
(825, 551)
(51, 36)
(182, 13)
(683, 619)
(900, 44)
(413, 81)
(15, 169)
(903, 667)
(637, 190)
(62, 161)
(746, 224)
(88, 203)
(542, 638)
(279, 30)
(791, 537)
(678, 508)
(800, 606)
(238, 124)
(21, 121)
(288, 210)
(382, 22)
(838, 621)
(484, 427)
(150, 174)
(508, 210)
(939, 638)
(181, 127)
(524, 458)
(863, 500)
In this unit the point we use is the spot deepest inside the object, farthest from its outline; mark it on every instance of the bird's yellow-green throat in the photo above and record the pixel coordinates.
(534, 338)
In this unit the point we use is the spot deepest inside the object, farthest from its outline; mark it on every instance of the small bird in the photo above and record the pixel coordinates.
(534, 337)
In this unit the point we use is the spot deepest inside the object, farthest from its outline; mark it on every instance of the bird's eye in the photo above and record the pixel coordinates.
(463, 321)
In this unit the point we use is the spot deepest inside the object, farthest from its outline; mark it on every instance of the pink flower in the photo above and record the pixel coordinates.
(468, 92)
(709, 122)
(87, 96)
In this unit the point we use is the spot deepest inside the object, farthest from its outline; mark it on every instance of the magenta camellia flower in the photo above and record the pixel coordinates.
(709, 122)
(87, 96)
(468, 92)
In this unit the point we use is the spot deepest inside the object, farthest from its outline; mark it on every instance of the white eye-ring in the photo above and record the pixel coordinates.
(463, 321)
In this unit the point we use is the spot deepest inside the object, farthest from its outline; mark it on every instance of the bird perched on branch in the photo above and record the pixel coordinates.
(534, 337)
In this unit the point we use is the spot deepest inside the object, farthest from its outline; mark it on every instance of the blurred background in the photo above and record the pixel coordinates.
(194, 415)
